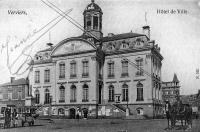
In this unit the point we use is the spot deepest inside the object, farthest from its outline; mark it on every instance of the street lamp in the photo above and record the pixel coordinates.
(127, 109)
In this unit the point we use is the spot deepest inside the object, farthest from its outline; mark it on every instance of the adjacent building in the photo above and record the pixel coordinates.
(14, 93)
(99, 75)
(171, 90)
(193, 100)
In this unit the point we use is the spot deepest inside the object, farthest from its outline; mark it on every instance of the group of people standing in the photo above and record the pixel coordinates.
(10, 117)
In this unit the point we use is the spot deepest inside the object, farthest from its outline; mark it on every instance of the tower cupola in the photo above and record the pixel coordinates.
(93, 20)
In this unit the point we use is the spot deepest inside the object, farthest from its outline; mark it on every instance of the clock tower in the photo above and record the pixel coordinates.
(93, 21)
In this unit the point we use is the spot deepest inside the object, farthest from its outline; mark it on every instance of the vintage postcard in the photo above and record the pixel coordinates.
(99, 65)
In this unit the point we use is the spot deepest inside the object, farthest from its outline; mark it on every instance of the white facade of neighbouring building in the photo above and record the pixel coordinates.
(95, 75)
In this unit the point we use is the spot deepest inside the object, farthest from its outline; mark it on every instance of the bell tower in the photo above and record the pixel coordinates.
(93, 20)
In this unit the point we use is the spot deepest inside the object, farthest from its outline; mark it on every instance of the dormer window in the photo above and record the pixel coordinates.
(138, 40)
(110, 46)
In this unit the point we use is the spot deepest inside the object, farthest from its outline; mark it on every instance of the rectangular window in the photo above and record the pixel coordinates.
(47, 76)
(5, 96)
(139, 64)
(37, 96)
(110, 70)
(73, 70)
(19, 95)
(9, 95)
(85, 69)
(62, 70)
(37, 76)
(124, 69)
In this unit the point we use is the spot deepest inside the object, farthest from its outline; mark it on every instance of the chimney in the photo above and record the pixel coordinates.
(146, 31)
(110, 34)
(50, 45)
(12, 79)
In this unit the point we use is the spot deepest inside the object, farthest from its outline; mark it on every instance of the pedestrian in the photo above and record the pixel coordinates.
(14, 117)
(77, 116)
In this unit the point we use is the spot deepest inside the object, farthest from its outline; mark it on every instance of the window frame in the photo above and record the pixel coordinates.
(140, 92)
(62, 70)
(47, 75)
(37, 76)
(111, 93)
(125, 92)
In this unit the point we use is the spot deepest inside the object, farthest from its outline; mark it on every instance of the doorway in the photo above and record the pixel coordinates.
(72, 113)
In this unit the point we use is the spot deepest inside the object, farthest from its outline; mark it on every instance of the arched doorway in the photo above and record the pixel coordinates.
(72, 113)
(85, 112)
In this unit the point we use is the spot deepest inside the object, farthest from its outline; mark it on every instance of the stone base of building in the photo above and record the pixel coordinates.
(139, 111)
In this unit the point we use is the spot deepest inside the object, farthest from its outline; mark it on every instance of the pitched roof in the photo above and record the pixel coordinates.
(175, 79)
(48, 49)
(20, 81)
(121, 36)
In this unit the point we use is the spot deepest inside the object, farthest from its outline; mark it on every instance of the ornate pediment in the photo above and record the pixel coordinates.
(72, 46)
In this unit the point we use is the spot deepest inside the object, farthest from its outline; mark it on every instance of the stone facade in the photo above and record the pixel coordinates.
(14, 93)
(171, 90)
(95, 75)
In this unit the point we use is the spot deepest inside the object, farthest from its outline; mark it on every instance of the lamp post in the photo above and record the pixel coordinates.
(127, 109)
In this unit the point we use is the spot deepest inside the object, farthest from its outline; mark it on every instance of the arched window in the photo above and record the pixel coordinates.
(124, 92)
(95, 22)
(111, 93)
(62, 94)
(73, 93)
(61, 70)
(47, 96)
(139, 92)
(85, 93)
(37, 96)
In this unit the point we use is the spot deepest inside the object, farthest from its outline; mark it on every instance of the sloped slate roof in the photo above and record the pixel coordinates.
(48, 49)
(175, 79)
(20, 81)
(121, 36)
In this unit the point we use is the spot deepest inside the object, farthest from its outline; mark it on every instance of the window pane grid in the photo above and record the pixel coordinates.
(47, 76)
(62, 70)
(111, 93)
(37, 76)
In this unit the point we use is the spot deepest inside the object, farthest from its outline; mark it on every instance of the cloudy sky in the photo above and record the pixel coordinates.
(177, 34)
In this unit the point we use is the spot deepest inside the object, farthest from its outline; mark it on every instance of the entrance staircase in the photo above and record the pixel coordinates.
(123, 108)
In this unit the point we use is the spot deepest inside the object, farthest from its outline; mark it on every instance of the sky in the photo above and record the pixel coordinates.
(177, 34)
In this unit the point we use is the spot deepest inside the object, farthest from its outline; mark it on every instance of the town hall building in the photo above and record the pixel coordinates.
(96, 75)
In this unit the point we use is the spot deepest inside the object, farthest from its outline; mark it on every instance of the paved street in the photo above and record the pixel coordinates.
(105, 125)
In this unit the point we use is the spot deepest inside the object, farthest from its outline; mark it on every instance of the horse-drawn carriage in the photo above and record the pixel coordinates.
(10, 118)
(179, 112)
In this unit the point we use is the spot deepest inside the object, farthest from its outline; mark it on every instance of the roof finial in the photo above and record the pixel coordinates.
(92, 1)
